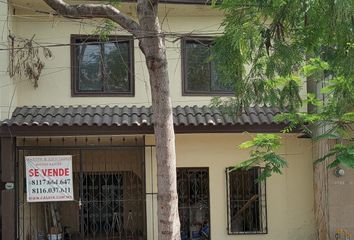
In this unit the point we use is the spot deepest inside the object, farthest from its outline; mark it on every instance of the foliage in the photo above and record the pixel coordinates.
(344, 155)
(263, 155)
(274, 46)
(335, 115)
(27, 59)
(105, 29)
(267, 40)
(107, 26)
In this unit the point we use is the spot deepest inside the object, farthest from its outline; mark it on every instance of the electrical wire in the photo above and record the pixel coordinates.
(152, 33)
(95, 23)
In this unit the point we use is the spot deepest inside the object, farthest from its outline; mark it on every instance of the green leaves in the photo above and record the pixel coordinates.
(315, 65)
(269, 46)
(267, 40)
(312, 99)
(348, 117)
(247, 144)
(335, 114)
(344, 155)
(105, 29)
(263, 154)
(267, 141)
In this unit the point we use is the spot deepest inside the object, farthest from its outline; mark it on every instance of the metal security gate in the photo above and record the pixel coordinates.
(109, 193)
(193, 203)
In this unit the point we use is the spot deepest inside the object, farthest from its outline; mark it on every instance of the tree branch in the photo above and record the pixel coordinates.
(90, 10)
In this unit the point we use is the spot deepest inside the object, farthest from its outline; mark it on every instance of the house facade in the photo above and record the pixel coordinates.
(93, 103)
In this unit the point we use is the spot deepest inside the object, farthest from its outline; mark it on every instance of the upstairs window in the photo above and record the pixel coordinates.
(102, 68)
(246, 201)
(199, 72)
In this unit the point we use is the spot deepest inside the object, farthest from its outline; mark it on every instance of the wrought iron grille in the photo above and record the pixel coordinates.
(112, 205)
(109, 192)
(246, 201)
(193, 203)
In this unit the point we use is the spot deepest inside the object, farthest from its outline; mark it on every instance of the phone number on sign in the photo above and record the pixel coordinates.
(51, 190)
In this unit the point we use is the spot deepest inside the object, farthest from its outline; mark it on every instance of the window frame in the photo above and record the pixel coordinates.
(74, 73)
(185, 91)
(262, 212)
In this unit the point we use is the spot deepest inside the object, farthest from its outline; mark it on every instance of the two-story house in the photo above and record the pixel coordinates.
(93, 103)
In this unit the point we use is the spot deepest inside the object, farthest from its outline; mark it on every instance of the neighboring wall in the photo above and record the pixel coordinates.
(289, 196)
(7, 87)
(341, 202)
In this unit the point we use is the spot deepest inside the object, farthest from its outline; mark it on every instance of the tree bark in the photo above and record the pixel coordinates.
(320, 177)
(320, 183)
(152, 44)
(95, 11)
(153, 47)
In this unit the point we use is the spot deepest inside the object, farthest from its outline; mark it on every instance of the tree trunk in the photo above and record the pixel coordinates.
(320, 183)
(153, 47)
(151, 42)
(320, 178)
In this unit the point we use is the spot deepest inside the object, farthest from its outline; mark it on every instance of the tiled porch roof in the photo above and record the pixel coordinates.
(134, 116)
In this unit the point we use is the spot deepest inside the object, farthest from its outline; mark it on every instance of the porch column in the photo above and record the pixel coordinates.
(8, 212)
(151, 189)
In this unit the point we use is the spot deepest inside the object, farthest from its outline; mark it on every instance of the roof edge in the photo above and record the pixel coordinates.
(16, 131)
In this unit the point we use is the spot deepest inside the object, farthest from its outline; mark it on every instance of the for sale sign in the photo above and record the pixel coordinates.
(49, 178)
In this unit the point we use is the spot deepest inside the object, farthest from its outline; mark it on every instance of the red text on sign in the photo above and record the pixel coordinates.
(51, 172)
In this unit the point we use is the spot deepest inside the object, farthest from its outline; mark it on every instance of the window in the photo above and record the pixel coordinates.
(193, 203)
(246, 201)
(102, 68)
(199, 71)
